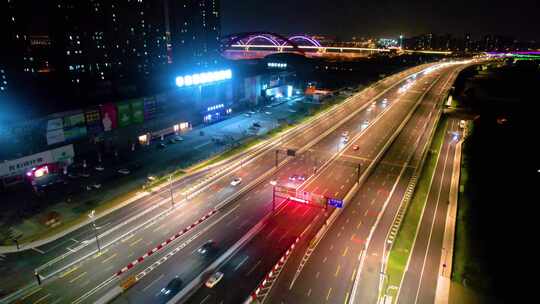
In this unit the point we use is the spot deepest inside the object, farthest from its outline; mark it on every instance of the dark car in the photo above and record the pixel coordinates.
(207, 247)
(172, 288)
(256, 125)
(161, 146)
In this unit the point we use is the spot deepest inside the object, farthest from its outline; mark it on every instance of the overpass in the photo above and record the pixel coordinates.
(252, 45)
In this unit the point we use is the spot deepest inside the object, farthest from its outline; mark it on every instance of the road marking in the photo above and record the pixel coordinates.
(336, 194)
(372, 202)
(331, 247)
(337, 270)
(31, 293)
(271, 232)
(40, 251)
(42, 298)
(78, 277)
(68, 272)
(329, 292)
(154, 281)
(346, 298)
(317, 274)
(159, 227)
(130, 236)
(241, 263)
(85, 283)
(253, 268)
(353, 274)
(205, 298)
(365, 213)
(324, 260)
(341, 188)
(134, 243)
(359, 224)
(339, 234)
(109, 258)
(309, 292)
(345, 251)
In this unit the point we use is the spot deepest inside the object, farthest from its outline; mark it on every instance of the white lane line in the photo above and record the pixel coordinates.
(241, 263)
(154, 281)
(253, 268)
(40, 251)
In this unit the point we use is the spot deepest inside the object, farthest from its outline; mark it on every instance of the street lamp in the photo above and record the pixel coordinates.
(171, 190)
(92, 216)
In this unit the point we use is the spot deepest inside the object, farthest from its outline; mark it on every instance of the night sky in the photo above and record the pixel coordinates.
(347, 18)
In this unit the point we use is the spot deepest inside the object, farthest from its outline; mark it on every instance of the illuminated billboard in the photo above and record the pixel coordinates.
(202, 78)
(108, 117)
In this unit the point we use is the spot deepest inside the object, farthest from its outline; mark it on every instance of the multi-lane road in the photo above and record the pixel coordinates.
(152, 220)
(236, 209)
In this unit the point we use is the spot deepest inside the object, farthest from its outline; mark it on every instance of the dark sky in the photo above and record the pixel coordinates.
(345, 18)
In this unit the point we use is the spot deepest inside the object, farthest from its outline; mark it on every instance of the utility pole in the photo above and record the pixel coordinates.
(92, 216)
(171, 190)
(277, 151)
(273, 198)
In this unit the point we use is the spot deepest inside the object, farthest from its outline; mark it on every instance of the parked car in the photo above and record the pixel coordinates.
(124, 171)
(99, 168)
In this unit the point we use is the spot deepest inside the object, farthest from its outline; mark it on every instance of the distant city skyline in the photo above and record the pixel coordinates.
(384, 18)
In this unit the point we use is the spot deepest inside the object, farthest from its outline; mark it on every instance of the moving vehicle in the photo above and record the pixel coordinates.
(247, 115)
(99, 168)
(214, 279)
(206, 247)
(268, 113)
(161, 146)
(355, 147)
(345, 134)
(172, 288)
(236, 181)
(346, 139)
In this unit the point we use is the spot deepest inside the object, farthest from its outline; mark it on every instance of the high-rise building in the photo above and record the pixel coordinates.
(194, 27)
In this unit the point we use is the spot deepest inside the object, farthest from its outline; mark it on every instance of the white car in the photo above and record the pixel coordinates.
(268, 113)
(247, 115)
(124, 171)
(214, 279)
(99, 168)
(345, 134)
(236, 181)
(346, 139)
(97, 186)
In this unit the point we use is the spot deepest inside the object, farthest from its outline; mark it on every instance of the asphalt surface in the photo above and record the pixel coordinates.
(369, 279)
(335, 181)
(85, 277)
(329, 273)
(420, 280)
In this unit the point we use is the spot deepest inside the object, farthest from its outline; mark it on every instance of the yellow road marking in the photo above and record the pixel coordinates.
(346, 298)
(309, 292)
(329, 292)
(109, 258)
(69, 271)
(358, 226)
(132, 244)
(42, 298)
(31, 293)
(352, 277)
(337, 270)
(78, 277)
(345, 251)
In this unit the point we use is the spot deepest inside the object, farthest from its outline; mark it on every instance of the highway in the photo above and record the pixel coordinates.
(335, 180)
(329, 272)
(420, 280)
(84, 276)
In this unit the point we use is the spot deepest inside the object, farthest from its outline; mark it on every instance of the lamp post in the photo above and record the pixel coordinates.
(92, 216)
(171, 191)
(273, 183)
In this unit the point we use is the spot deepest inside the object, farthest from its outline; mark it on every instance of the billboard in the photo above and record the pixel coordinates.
(137, 111)
(124, 114)
(108, 117)
(75, 133)
(149, 108)
(92, 118)
(21, 165)
(75, 120)
(55, 136)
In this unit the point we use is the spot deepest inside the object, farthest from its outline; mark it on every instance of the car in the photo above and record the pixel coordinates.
(99, 168)
(171, 141)
(84, 174)
(385, 101)
(355, 147)
(247, 115)
(256, 125)
(345, 134)
(365, 123)
(161, 146)
(206, 247)
(96, 186)
(236, 181)
(172, 288)
(251, 112)
(268, 113)
(345, 139)
(293, 177)
(301, 177)
(214, 279)
(123, 171)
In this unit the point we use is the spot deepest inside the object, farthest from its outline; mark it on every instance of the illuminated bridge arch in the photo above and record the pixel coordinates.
(308, 39)
(275, 40)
